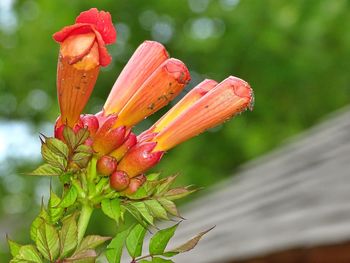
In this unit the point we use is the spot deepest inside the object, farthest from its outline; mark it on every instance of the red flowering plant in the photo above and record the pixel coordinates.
(102, 164)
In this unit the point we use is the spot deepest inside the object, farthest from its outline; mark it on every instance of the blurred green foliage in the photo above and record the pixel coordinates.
(295, 54)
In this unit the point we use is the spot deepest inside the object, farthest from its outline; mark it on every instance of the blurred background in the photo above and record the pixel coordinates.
(295, 54)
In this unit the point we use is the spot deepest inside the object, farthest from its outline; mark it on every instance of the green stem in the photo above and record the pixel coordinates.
(83, 222)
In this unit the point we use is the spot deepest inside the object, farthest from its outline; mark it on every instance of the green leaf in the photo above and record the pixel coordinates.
(153, 176)
(134, 240)
(156, 209)
(91, 242)
(141, 193)
(84, 149)
(86, 256)
(52, 158)
(169, 206)
(69, 137)
(135, 213)
(14, 247)
(46, 170)
(191, 243)
(142, 209)
(161, 239)
(47, 241)
(177, 193)
(27, 254)
(69, 198)
(81, 136)
(115, 248)
(68, 235)
(38, 221)
(81, 159)
(156, 260)
(111, 208)
(58, 147)
(165, 184)
(55, 211)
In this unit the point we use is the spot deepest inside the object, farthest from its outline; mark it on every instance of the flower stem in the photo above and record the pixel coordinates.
(83, 222)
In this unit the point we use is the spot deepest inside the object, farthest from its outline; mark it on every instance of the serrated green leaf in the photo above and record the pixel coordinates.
(46, 170)
(141, 193)
(81, 136)
(191, 243)
(14, 247)
(156, 209)
(86, 256)
(161, 239)
(47, 241)
(91, 242)
(169, 206)
(84, 149)
(142, 209)
(134, 240)
(52, 158)
(68, 235)
(111, 208)
(27, 254)
(69, 137)
(58, 147)
(177, 193)
(165, 185)
(55, 211)
(136, 214)
(81, 159)
(153, 176)
(38, 221)
(115, 248)
(69, 198)
(65, 177)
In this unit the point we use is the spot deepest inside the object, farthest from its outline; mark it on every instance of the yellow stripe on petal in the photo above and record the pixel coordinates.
(157, 91)
(228, 98)
(146, 59)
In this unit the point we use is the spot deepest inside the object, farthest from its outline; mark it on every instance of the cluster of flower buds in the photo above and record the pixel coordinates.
(149, 81)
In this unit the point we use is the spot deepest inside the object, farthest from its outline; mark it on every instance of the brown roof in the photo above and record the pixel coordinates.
(295, 197)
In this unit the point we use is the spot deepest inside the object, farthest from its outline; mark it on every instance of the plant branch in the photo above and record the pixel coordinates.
(83, 222)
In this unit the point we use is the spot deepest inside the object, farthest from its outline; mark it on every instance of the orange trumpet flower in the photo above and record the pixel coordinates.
(228, 98)
(166, 82)
(145, 60)
(82, 52)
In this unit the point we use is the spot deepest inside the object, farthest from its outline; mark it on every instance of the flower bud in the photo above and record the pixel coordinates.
(140, 158)
(119, 180)
(91, 123)
(106, 165)
(122, 150)
(108, 138)
(135, 184)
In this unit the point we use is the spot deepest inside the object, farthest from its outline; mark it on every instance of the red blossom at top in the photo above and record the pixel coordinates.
(92, 21)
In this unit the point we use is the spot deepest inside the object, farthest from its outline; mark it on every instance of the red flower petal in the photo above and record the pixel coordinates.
(102, 21)
(75, 29)
(105, 57)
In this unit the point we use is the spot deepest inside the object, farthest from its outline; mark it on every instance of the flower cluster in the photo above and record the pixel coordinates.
(149, 81)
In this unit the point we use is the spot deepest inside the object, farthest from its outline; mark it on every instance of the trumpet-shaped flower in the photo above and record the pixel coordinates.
(82, 52)
(228, 98)
(146, 59)
(200, 113)
(194, 95)
(119, 153)
(166, 82)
